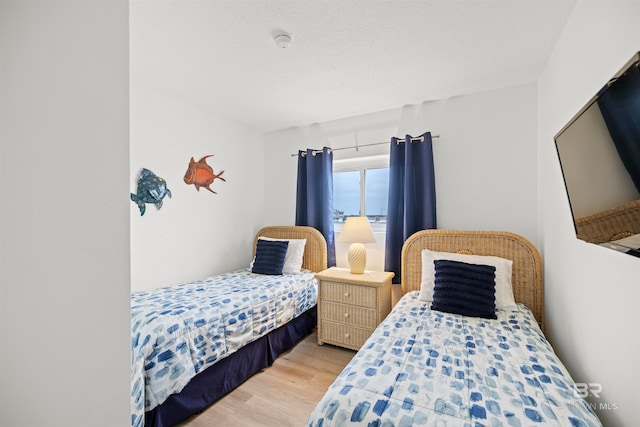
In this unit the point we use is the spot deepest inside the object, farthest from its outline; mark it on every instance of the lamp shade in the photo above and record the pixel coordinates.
(356, 230)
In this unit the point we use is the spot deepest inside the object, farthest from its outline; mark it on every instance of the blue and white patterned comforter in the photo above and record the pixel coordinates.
(428, 368)
(179, 331)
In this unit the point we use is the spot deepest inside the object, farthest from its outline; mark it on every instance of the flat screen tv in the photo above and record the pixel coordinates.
(599, 153)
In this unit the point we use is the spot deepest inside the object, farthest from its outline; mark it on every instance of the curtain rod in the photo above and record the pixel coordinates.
(398, 141)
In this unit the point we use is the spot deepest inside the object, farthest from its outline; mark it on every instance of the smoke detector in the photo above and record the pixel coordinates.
(282, 39)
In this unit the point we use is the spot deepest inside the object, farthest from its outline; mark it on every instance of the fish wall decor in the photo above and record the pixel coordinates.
(151, 189)
(201, 174)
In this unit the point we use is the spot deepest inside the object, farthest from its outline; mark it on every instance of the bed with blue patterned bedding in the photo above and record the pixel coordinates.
(179, 331)
(195, 342)
(423, 367)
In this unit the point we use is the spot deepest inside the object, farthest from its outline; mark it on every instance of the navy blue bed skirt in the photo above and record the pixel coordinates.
(217, 380)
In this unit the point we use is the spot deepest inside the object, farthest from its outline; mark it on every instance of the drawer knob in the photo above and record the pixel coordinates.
(346, 294)
(346, 335)
(346, 315)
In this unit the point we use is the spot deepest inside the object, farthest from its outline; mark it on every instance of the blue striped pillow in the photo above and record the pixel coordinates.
(467, 289)
(270, 256)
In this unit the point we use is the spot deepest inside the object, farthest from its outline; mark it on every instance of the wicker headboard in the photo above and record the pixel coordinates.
(527, 263)
(609, 225)
(315, 250)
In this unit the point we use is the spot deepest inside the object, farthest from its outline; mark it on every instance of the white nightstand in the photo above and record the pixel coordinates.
(351, 306)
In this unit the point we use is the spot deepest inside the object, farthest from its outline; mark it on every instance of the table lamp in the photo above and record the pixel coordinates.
(357, 231)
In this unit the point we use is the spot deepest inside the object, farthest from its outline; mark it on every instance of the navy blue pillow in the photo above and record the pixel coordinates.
(467, 289)
(270, 257)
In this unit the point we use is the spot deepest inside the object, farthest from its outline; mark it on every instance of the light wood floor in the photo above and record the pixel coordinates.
(283, 394)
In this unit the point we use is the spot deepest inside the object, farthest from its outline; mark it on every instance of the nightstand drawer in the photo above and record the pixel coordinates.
(347, 336)
(351, 306)
(349, 314)
(364, 296)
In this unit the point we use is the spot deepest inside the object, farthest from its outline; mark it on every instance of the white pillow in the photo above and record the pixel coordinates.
(295, 253)
(504, 291)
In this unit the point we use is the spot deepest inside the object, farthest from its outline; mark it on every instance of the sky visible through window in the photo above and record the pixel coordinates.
(377, 191)
(346, 194)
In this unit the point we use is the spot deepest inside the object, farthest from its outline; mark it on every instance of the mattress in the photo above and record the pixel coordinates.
(422, 367)
(179, 331)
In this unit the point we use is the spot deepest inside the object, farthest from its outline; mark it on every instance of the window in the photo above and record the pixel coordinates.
(361, 187)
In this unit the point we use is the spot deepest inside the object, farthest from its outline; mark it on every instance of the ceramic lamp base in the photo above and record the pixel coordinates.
(357, 258)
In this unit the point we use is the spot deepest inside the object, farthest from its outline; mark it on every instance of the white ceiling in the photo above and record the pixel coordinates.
(348, 57)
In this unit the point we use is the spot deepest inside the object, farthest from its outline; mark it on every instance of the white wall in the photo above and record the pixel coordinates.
(485, 158)
(196, 233)
(591, 293)
(64, 260)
